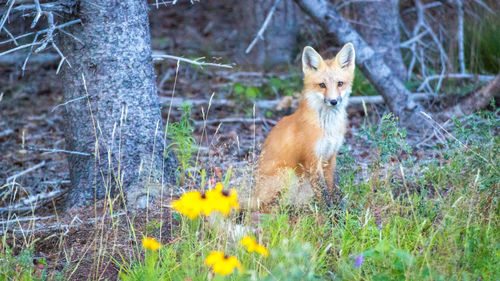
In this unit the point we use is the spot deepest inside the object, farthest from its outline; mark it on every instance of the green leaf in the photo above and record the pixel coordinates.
(238, 88)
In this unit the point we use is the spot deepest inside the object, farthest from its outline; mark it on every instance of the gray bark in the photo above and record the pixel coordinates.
(279, 40)
(373, 66)
(379, 26)
(119, 120)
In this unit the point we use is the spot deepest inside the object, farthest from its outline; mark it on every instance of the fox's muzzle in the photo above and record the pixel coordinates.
(333, 102)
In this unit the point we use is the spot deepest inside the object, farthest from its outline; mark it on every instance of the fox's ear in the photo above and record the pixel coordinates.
(346, 56)
(311, 60)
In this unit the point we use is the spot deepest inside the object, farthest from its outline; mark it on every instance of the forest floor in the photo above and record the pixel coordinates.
(376, 172)
(416, 206)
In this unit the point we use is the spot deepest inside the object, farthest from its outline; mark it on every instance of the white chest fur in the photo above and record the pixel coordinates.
(332, 121)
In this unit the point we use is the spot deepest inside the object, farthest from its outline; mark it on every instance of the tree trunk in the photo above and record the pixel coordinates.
(279, 41)
(373, 66)
(474, 102)
(117, 118)
(379, 26)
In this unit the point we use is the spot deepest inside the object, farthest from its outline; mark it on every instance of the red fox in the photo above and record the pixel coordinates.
(307, 141)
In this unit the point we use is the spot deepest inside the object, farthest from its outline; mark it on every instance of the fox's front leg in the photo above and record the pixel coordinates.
(329, 172)
(319, 184)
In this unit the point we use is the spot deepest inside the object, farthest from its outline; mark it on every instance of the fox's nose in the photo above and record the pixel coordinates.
(333, 102)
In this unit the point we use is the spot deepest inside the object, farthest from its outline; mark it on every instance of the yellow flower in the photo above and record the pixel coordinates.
(150, 243)
(190, 204)
(253, 246)
(193, 203)
(222, 264)
(222, 200)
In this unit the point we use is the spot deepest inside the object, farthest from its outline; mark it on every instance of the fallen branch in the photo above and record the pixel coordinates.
(56, 150)
(17, 59)
(18, 220)
(32, 202)
(426, 81)
(232, 120)
(160, 55)
(13, 177)
(475, 101)
(59, 226)
(271, 104)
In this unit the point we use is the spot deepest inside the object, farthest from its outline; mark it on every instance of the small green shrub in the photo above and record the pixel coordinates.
(182, 142)
(20, 266)
(387, 137)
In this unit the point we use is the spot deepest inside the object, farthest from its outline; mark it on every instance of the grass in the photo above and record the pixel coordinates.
(439, 223)
(403, 219)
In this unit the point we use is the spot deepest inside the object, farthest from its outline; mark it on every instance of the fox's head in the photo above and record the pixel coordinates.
(328, 82)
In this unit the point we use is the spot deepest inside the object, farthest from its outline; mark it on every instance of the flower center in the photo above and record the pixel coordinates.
(226, 193)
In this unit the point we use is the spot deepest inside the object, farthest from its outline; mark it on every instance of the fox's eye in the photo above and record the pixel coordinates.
(340, 84)
(322, 85)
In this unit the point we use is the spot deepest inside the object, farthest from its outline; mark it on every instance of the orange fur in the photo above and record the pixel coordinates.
(308, 140)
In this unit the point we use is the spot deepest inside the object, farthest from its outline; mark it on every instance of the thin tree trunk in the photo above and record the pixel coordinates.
(117, 118)
(372, 65)
(379, 26)
(279, 40)
(474, 102)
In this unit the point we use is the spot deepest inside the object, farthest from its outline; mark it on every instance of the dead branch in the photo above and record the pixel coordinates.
(474, 102)
(32, 202)
(14, 177)
(6, 14)
(43, 31)
(39, 10)
(160, 55)
(263, 27)
(231, 120)
(430, 78)
(355, 101)
(55, 150)
(23, 219)
(59, 226)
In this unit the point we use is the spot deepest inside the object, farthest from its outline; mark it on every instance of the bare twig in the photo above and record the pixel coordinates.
(59, 226)
(18, 220)
(159, 55)
(29, 54)
(482, 4)
(13, 177)
(38, 13)
(6, 14)
(263, 27)
(30, 203)
(19, 48)
(347, 3)
(409, 42)
(426, 6)
(56, 150)
(230, 120)
(425, 83)
(65, 103)
(11, 36)
(43, 31)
